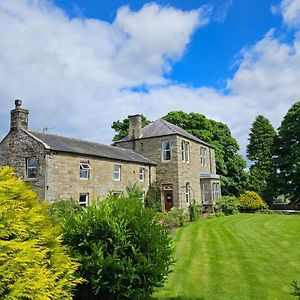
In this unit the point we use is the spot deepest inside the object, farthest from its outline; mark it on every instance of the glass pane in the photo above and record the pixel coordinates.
(166, 145)
(31, 162)
(167, 155)
(83, 173)
(31, 173)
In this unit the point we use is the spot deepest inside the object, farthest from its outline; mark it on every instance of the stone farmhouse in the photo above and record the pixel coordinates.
(161, 153)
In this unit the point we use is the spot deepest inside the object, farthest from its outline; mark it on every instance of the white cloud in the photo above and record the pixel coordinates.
(290, 10)
(74, 69)
(75, 75)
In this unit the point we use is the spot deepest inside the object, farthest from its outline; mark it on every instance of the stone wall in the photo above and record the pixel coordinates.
(58, 173)
(176, 172)
(15, 148)
(63, 177)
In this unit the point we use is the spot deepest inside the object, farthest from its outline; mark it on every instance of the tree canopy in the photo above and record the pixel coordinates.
(33, 263)
(287, 154)
(259, 151)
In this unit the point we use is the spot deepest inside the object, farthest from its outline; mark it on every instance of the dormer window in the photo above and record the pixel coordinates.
(166, 150)
(85, 170)
(31, 167)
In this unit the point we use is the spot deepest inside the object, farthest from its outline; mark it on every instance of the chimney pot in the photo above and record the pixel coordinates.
(18, 103)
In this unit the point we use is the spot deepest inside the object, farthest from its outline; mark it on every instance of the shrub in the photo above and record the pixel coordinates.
(195, 211)
(153, 197)
(228, 205)
(296, 288)
(64, 209)
(134, 191)
(250, 202)
(33, 263)
(172, 219)
(215, 215)
(123, 252)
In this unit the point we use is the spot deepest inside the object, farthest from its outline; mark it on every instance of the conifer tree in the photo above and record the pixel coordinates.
(287, 151)
(33, 264)
(259, 151)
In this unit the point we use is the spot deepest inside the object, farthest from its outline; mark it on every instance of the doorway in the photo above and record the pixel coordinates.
(168, 197)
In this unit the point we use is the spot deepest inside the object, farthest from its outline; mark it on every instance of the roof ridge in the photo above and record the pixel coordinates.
(167, 124)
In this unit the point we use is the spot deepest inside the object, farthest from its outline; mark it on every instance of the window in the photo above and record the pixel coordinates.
(205, 194)
(215, 190)
(31, 167)
(85, 170)
(203, 156)
(142, 174)
(117, 172)
(84, 199)
(185, 151)
(187, 192)
(116, 195)
(166, 150)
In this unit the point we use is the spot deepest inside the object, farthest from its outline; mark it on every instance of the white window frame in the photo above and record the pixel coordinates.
(165, 151)
(185, 151)
(141, 173)
(205, 193)
(86, 201)
(203, 156)
(117, 173)
(84, 170)
(187, 192)
(31, 168)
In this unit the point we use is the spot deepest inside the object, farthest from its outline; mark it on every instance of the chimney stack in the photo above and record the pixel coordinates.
(19, 117)
(135, 127)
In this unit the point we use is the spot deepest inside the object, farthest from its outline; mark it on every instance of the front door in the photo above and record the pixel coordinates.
(168, 196)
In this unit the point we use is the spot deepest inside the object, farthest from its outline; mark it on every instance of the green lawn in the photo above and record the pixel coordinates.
(246, 256)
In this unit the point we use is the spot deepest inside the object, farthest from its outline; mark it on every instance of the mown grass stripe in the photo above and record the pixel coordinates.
(238, 257)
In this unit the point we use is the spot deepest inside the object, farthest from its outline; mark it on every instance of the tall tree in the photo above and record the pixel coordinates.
(287, 151)
(121, 127)
(230, 165)
(259, 151)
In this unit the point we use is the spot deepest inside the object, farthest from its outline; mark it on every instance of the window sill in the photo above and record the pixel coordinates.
(31, 179)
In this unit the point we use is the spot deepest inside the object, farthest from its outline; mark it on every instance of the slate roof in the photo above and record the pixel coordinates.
(162, 128)
(70, 145)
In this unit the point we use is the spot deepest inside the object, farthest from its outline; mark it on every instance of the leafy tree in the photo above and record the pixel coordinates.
(230, 165)
(33, 263)
(259, 151)
(124, 253)
(287, 152)
(121, 127)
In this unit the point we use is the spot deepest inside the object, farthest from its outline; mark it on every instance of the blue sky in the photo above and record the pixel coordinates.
(79, 65)
(209, 58)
